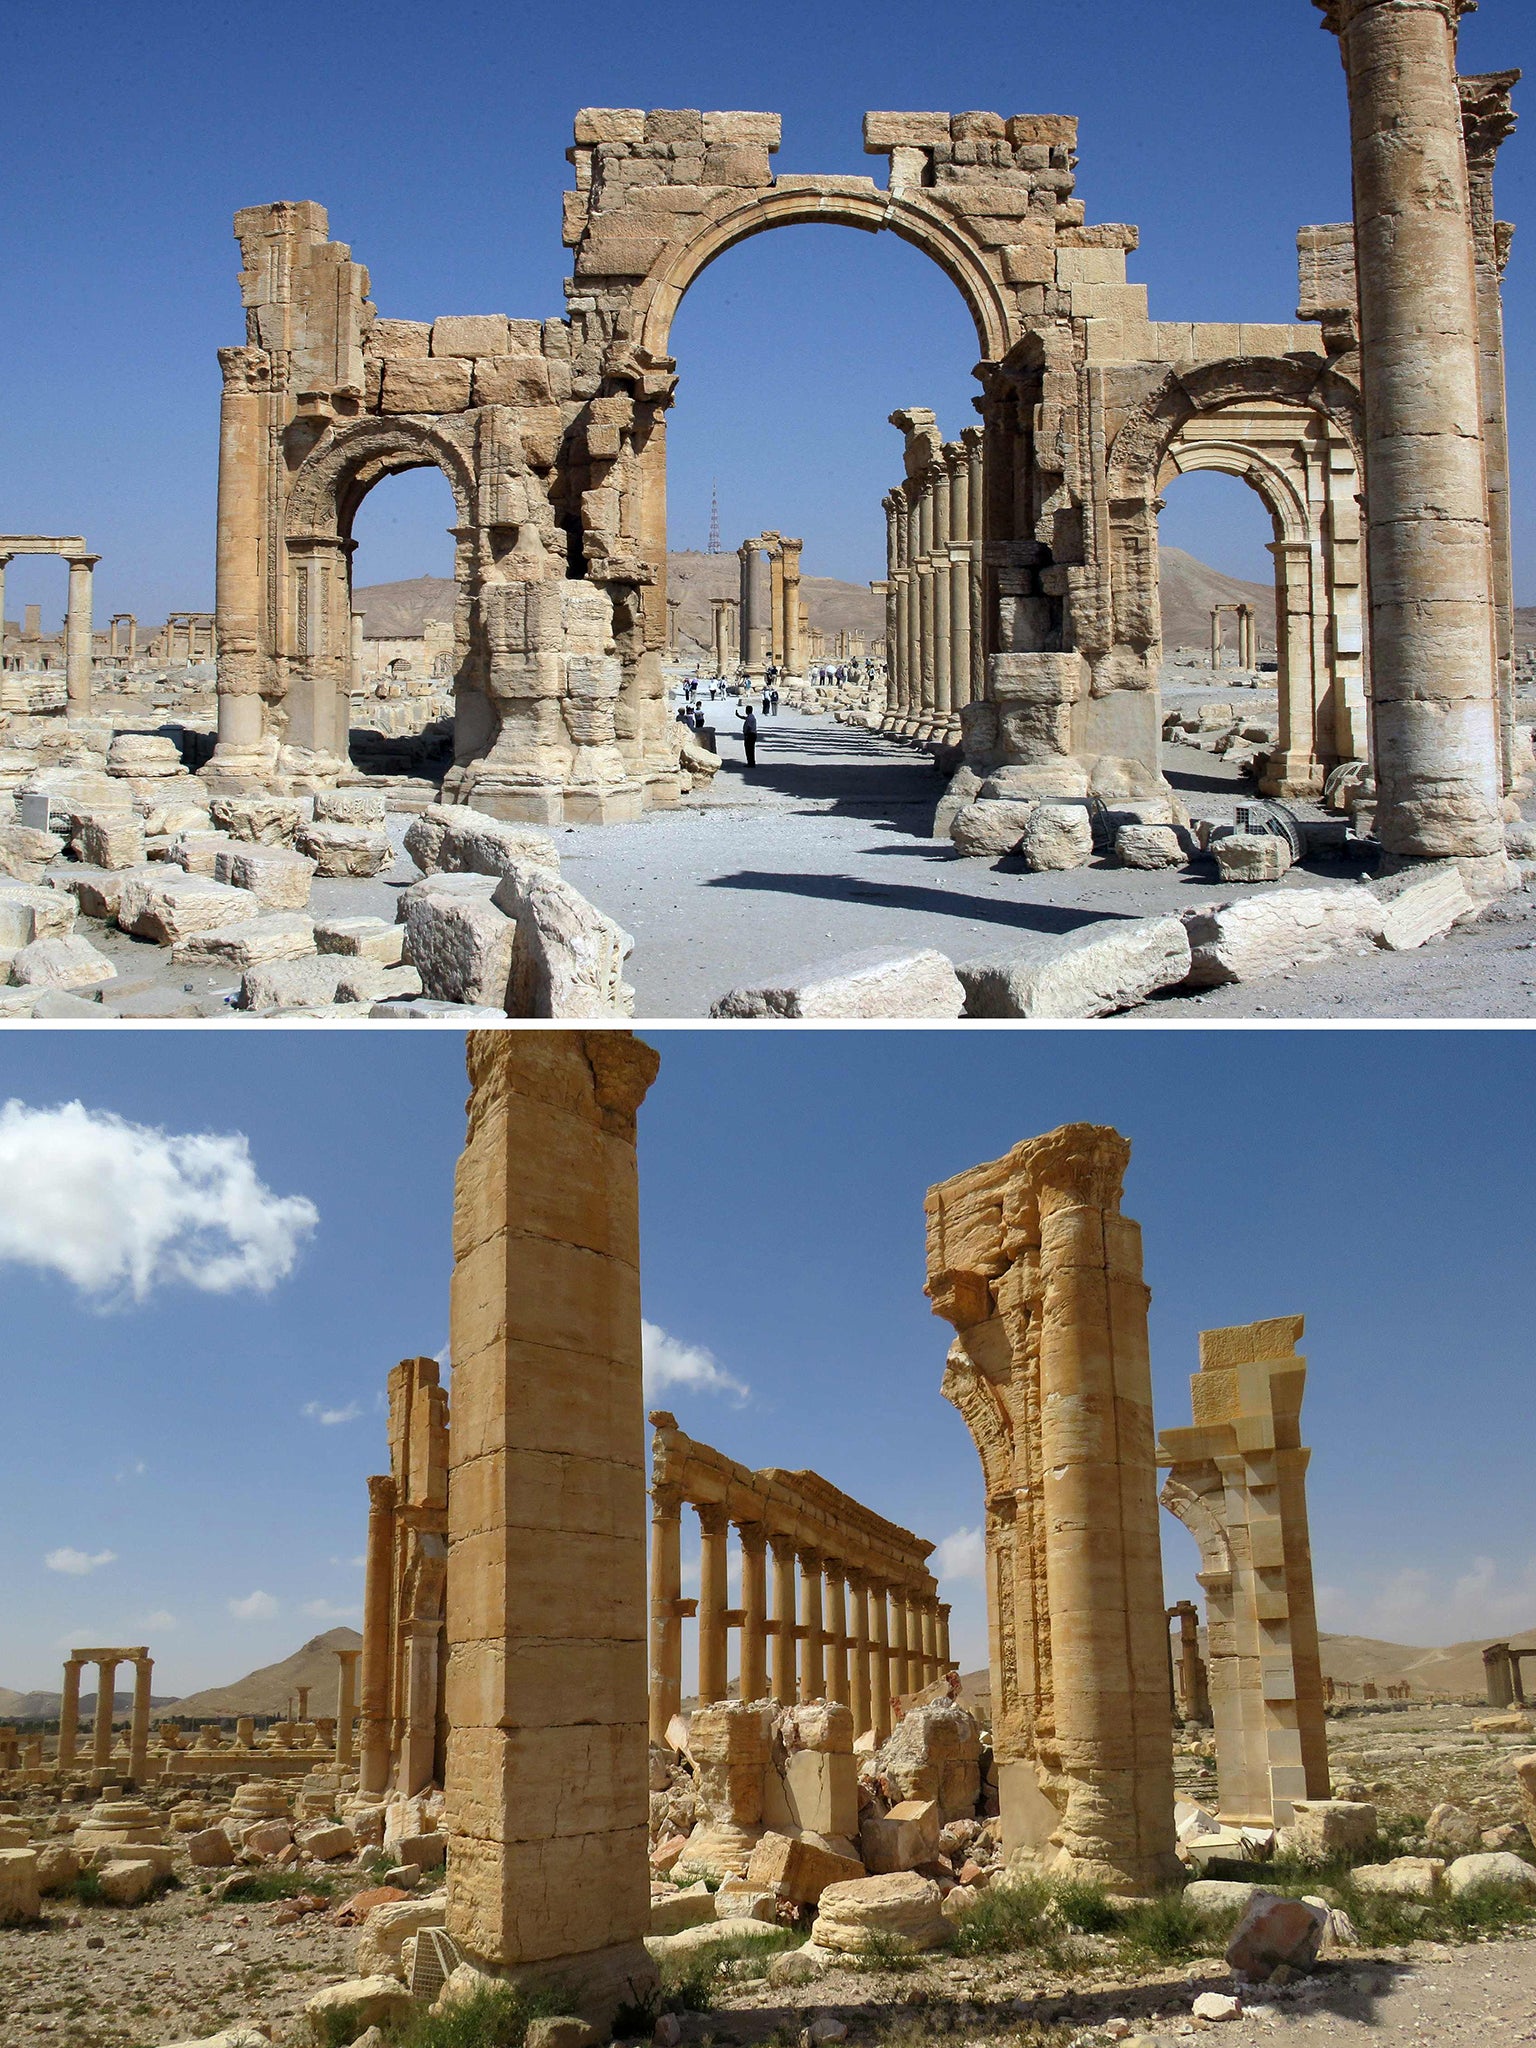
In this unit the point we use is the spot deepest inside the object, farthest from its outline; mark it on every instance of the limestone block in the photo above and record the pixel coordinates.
(71, 962)
(25, 853)
(349, 807)
(469, 334)
(1149, 846)
(459, 942)
(279, 935)
(797, 1966)
(275, 875)
(384, 1933)
(345, 849)
(991, 826)
(1513, 1723)
(875, 983)
(166, 904)
(1452, 1831)
(1498, 1866)
(1274, 1931)
(798, 1870)
(693, 1939)
(399, 338)
(434, 385)
(568, 959)
(1251, 856)
(1090, 972)
(1421, 902)
(1057, 836)
(57, 1868)
(139, 755)
(1325, 1828)
(33, 910)
(1283, 929)
(512, 380)
(237, 2037)
(198, 852)
(210, 1849)
(267, 1838)
(325, 1842)
(1405, 1877)
(677, 1910)
(610, 124)
(341, 2011)
(1221, 1895)
(128, 1880)
(453, 839)
(1525, 1776)
(739, 1899)
(901, 1839)
(112, 840)
(289, 984)
(560, 2031)
(363, 938)
(902, 1906)
(19, 1900)
(262, 820)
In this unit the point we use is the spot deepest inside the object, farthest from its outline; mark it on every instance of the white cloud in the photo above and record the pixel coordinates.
(330, 1416)
(356, 1563)
(962, 1555)
(330, 1610)
(254, 1607)
(78, 1562)
(117, 1207)
(161, 1620)
(134, 1469)
(1421, 1606)
(671, 1363)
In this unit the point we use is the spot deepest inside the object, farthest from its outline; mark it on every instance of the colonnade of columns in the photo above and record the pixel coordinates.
(835, 1631)
(125, 642)
(1187, 1672)
(77, 617)
(723, 639)
(1247, 636)
(106, 1662)
(772, 619)
(934, 633)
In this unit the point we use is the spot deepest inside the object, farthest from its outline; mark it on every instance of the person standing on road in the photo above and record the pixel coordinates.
(749, 736)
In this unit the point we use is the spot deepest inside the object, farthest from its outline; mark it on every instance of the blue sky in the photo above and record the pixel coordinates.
(179, 1452)
(437, 141)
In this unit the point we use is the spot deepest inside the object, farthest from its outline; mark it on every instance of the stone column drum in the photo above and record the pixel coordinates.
(713, 1602)
(106, 1700)
(346, 1708)
(754, 1610)
(546, 1779)
(77, 635)
(784, 1659)
(138, 1727)
(666, 1688)
(377, 1630)
(1429, 547)
(69, 1713)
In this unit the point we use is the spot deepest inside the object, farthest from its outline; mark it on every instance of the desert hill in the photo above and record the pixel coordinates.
(269, 1690)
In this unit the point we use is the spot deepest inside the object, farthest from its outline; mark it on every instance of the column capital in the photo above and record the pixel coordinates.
(752, 1536)
(811, 1559)
(713, 1519)
(1078, 1166)
(1340, 15)
(857, 1577)
(381, 1490)
(782, 1546)
(666, 1501)
(82, 561)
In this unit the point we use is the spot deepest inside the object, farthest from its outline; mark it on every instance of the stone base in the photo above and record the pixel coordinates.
(618, 805)
(1484, 875)
(663, 792)
(1293, 775)
(595, 1984)
(1029, 1819)
(516, 803)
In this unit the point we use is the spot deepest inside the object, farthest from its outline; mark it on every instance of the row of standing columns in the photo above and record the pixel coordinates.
(1247, 635)
(842, 1634)
(77, 624)
(772, 622)
(106, 1662)
(935, 639)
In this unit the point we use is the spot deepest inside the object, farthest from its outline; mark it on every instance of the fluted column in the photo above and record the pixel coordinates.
(894, 608)
(901, 1676)
(69, 1713)
(101, 1726)
(837, 1632)
(1433, 658)
(813, 1685)
(959, 585)
(784, 1659)
(789, 557)
(912, 687)
(858, 1674)
(945, 1658)
(943, 697)
(138, 1727)
(879, 1663)
(927, 648)
(754, 1610)
(973, 440)
(346, 1708)
(713, 1602)
(378, 1632)
(666, 1687)
(77, 635)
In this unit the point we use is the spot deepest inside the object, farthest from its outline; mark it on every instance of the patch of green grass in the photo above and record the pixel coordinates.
(88, 1888)
(1006, 1917)
(691, 1983)
(882, 1951)
(1164, 1930)
(494, 2016)
(263, 1887)
(1085, 1907)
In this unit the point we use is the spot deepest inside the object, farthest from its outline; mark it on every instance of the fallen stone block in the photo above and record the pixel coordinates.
(692, 1939)
(325, 1841)
(1275, 1932)
(349, 807)
(341, 2011)
(1216, 2006)
(568, 959)
(460, 943)
(128, 1880)
(1325, 1828)
(290, 984)
(198, 852)
(1090, 972)
(1221, 1895)
(902, 1908)
(1512, 1723)
(1496, 1866)
(1405, 1877)
(71, 962)
(1284, 929)
(112, 840)
(262, 820)
(34, 910)
(229, 2037)
(57, 1868)
(210, 1849)
(279, 935)
(166, 904)
(902, 1839)
(427, 1852)
(1251, 856)
(345, 849)
(25, 853)
(738, 1899)
(366, 938)
(876, 983)
(151, 754)
(381, 1941)
(1149, 846)
(470, 1015)
(691, 1908)
(1421, 903)
(798, 1870)
(560, 2030)
(989, 827)
(453, 839)
(797, 1966)
(19, 1897)
(1058, 836)
(60, 1005)
(1452, 1831)
(276, 876)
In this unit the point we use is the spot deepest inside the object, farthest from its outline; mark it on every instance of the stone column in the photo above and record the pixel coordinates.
(930, 1639)
(776, 606)
(837, 1632)
(1189, 1667)
(1294, 768)
(1246, 653)
(813, 1685)
(1215, 636)
(713, 1602)
(303, 1692)
(420, 1652)
(754, 1610)
(378, 1636)
(959, 592)
(666, 1687)
(944, 715)
(1433, 662)
(858, 1675)
(893, 608)
(927, 683)
(101, 1726)
(548, 1876)
(357, 650)
(138, 1727)
(945, 1659)
(5, 562)
(912, 655)
(789, 559)
(901, 1675)
(784, 1659)
(77, 635)
(69, 1713)
(346, 1708)
(973, 440)
(879, 1663)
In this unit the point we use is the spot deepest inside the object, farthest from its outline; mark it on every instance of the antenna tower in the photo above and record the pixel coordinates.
(714, 520)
